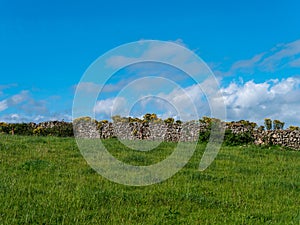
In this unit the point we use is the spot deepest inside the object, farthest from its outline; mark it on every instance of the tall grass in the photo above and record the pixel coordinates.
(45, 180)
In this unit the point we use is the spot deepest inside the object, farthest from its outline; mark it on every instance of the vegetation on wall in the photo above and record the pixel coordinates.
(278, 125)
(65, 129)
(294, 128)
(268, 124)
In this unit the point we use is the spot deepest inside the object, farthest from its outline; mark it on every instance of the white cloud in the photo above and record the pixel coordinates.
(256, 101)
(281, 56)
(15, 118)
(88, 87)
(111, 106)
(14, 100)
(189, 103)
(26, 118)
(286, 85)
(246, 65)
(3, 105)
(245, 96)
(118, 60)
(18, 98)
(165, 52)
(275, 99)
(22, 107)
(115, 87)
(284, 51)
(39, 118)
(168, 99)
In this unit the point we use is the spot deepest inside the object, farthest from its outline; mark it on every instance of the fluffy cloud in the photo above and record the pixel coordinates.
(187, 103)
(248, 95)
(111, 106)
(277, 99)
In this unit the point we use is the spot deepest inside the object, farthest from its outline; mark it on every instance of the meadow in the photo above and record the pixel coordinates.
(45, 180)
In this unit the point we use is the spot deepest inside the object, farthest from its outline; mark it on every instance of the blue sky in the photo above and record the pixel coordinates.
(253, 48)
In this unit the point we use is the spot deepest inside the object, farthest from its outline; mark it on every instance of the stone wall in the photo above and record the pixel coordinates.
(188, 131)
(286, 138)
(153, 131)
(87, 129)
(145, 131)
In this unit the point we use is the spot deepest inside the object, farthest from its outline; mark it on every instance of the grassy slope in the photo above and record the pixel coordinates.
(46, 180)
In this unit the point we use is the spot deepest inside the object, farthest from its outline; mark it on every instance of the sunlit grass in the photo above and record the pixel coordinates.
(45, 180)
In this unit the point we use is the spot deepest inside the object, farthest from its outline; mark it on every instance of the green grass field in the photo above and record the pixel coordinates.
(45, 180)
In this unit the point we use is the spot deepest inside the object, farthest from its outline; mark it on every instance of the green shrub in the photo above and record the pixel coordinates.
(268, 124)
(204, 136)
(4, 128)
(178, 122)
(294, 128)
(205, 119)
(23, 129)
(40, 131)
(60, 130)
(232, 139)
(147, 117)
(278, 125)
(169, 121)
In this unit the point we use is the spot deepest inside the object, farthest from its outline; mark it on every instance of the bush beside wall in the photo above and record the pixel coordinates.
(236, 133)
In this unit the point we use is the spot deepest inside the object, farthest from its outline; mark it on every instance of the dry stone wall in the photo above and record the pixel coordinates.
(188, 131)
(153, 131)
(86, 129)
(146, 131)
(286, 138)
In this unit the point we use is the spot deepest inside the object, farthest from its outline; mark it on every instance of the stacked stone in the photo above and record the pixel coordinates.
(238, 128)
(158, 131)
(106, 130)
(188, 131)
(119, 130)
(286, 138)
(85, 129)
